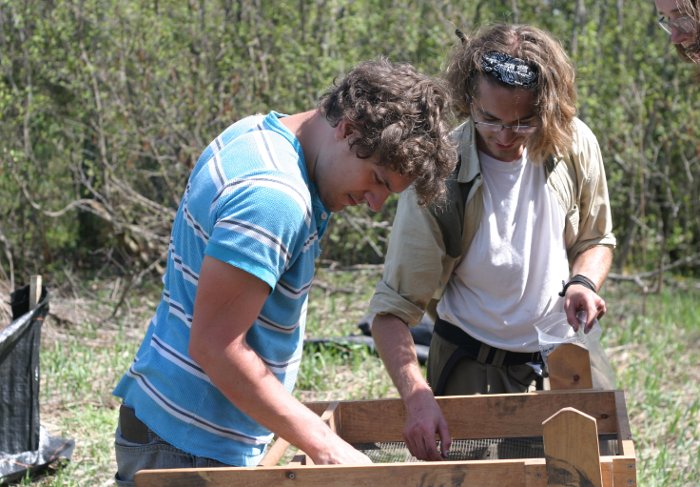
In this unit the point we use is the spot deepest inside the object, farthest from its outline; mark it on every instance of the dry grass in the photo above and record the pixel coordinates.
(653, 343)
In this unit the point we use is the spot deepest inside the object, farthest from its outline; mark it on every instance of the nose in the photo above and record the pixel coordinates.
(505, 135)
(679, 36)
(376, 198)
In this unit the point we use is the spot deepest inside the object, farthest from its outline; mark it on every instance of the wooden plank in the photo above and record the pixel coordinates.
(332, 418)
(618, 471)
(535, 473)
(484, 416)
(35, 286)
(509, 415)
(281, 446)
(624, 467)
(569, 367)
(501, 473)
(521, 415)
(571, 449)
(624, 472)
(275, 453)
(623, 422)
(627, 449)
(606, 473)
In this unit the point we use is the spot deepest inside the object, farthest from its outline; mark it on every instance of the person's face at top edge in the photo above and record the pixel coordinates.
(343, 179)
(500, 105)
(683, 28)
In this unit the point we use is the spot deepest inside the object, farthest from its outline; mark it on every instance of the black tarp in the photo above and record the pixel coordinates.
(420, 333)
(24, 445)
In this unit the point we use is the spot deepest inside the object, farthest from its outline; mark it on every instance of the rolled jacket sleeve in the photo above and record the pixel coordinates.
(417, 266)
(590, 224)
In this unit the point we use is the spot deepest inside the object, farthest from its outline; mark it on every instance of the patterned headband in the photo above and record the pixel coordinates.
(510, 70)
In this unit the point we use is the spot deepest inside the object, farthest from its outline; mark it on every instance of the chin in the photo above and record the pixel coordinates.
(335, 207)
(507, 156)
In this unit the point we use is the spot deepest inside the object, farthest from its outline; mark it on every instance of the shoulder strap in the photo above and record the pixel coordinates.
(450, 218)
(549, 166)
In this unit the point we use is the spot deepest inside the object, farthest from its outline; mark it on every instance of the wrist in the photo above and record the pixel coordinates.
(418, 396)
(581, 280)
(320, 443)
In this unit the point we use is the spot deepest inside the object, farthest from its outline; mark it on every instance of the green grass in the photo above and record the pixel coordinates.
(653, 342)
(654, 345)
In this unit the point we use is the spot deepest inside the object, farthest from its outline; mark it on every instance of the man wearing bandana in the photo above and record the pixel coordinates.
(680, 19)
(534, 241)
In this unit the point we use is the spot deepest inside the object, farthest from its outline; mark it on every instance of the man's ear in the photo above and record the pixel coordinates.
(344, 129)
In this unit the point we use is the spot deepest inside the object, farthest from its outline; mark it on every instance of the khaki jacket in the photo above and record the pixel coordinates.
(417, 266)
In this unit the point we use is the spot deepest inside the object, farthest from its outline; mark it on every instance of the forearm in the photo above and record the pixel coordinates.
(239, 373)
(594, 263)
(394, 343)
(424, 419)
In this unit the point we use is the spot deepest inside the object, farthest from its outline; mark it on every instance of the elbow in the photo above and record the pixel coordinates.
(211, 351)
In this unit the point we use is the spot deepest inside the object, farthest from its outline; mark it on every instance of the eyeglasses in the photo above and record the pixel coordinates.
(497, 127)
(684, 24)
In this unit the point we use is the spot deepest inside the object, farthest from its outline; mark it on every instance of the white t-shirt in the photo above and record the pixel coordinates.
(510, 278)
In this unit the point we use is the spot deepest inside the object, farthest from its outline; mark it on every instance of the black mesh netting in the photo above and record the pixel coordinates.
(475, 449)
(24, 445)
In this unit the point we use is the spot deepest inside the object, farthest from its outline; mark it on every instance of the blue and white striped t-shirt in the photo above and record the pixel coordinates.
(249, 202)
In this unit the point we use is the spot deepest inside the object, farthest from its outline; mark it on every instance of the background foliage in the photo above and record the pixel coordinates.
(105, 106)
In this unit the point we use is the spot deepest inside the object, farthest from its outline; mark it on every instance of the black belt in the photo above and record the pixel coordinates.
(131, 427)
(475, 349)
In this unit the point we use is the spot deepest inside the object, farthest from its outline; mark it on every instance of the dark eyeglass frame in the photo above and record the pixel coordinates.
(684, 24)
(498, 127)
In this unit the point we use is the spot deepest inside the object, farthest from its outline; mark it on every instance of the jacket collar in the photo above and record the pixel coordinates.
(465, 136)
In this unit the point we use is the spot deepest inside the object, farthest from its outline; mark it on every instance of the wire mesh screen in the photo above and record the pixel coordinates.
(475, 449)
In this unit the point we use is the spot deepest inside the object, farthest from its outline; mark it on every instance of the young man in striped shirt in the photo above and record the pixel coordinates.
(212, 380)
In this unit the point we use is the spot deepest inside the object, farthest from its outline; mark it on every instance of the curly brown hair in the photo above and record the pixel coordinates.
(690, 8)
(555, 92)
(400, 115)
